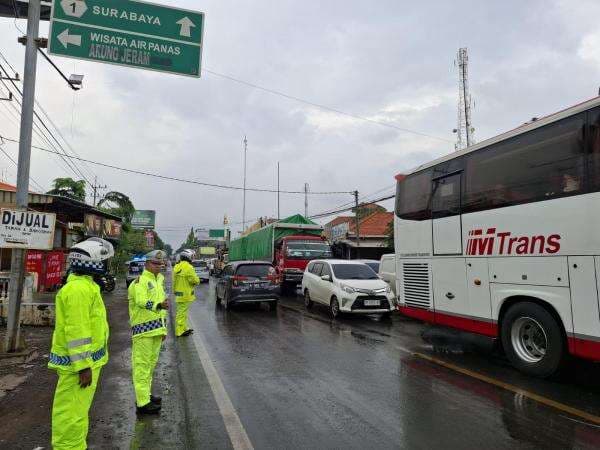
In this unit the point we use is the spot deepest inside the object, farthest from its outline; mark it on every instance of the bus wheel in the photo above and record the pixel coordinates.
(533, 340)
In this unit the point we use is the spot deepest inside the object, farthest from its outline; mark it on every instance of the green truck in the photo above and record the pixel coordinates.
(288, 244)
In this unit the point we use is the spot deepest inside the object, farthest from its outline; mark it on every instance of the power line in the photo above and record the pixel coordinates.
(39, 186)
(181, 180)
(332, 213)
(74, 168)
(324, 107)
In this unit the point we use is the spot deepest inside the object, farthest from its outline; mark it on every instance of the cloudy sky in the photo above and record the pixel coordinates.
(387, 60)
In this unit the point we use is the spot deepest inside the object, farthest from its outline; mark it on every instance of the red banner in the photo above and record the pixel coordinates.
(34, 263)
(54, 268)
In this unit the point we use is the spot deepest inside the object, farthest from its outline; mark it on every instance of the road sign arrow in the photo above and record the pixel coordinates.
(65, 38)
(186, 26)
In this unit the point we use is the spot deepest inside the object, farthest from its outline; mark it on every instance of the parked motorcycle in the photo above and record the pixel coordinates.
(107, 282)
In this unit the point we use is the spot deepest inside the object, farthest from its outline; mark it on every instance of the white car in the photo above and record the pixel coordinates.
(201, 269)
(346, 287)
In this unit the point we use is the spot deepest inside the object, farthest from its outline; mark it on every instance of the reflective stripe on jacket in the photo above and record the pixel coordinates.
(184, 281)
(81, 331)
(144, 295)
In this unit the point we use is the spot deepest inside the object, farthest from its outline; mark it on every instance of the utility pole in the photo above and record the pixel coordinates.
(306, 200)
(12, 343)
(278, 210)
(357, 223)
(244, 210)
(96, 187)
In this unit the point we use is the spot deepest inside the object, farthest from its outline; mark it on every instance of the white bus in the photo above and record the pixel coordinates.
(503, 239)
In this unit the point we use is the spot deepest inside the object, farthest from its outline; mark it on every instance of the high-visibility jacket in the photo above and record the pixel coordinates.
(80, 338)
(144, 295)
(184, 281)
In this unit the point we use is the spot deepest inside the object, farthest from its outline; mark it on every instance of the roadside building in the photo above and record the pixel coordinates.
(372, 239)
(75, 221)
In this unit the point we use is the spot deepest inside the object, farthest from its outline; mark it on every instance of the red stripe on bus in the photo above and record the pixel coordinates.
(461, 323)
(584, 348)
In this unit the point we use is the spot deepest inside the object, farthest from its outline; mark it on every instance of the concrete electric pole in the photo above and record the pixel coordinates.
(244, 208)
(96, 187)
(12, 343)
(357, 224)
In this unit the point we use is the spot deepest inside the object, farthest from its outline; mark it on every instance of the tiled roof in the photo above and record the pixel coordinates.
(375, 224)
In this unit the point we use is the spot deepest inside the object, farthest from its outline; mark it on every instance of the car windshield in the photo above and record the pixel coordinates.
(374, 266)
(200, 264)
(308, 250)
(354, 272)
(255, 270)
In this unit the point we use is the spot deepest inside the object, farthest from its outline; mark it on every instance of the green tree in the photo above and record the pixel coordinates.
(190, 242)
(118, 204)
(68, 187)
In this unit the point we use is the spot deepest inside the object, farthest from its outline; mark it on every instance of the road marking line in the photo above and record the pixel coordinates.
(510, 387)
(237, 433)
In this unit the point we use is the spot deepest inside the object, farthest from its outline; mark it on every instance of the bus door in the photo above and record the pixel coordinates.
(450, 295)
(445, 214)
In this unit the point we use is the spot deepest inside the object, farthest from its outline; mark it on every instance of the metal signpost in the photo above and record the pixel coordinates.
(12, 341)
(129, 33)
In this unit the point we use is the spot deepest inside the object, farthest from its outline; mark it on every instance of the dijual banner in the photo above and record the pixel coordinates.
(27, 229)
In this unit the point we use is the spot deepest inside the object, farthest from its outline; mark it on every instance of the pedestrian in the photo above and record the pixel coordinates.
(147, 316)
(184, 282)
(79, 343)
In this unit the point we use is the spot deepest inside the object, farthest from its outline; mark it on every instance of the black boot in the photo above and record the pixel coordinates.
(187, 332)
(150, 408)
(156, 400)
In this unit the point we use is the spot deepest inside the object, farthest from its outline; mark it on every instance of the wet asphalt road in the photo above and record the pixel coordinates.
(299, 380)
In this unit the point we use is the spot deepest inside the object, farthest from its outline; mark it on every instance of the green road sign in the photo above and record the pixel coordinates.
(128, 32)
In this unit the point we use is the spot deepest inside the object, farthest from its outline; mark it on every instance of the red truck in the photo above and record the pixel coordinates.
(288, 244)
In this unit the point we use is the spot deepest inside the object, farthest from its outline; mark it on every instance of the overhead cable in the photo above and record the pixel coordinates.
(325, 107)
(181, 180)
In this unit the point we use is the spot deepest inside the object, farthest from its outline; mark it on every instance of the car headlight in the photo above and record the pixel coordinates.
(388, 290)
(347, 289)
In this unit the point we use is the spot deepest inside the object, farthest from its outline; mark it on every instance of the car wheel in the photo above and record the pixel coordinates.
(272, 306)
(307, 301)
(334, 308)
(533, 340)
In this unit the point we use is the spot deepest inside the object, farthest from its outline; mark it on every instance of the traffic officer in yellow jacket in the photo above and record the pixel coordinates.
(147, 316)
(184, 282)
(79, 343)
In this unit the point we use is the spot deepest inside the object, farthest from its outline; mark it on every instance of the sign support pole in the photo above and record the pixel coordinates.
(12, 343)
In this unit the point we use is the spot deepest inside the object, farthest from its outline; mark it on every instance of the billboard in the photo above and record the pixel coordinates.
(101, 227)
(208, 251)
(143, 219)
(26, 229)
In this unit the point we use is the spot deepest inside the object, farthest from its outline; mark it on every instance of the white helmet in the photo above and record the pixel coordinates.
(89, 256)
(187, 254)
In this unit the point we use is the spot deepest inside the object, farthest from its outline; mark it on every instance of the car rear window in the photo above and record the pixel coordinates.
(255, 270)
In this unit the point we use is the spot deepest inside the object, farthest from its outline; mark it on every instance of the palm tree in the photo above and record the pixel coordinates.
(68, 187)
(118, 204)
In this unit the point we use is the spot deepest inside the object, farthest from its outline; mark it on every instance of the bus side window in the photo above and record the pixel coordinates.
(413, 197)
(539, 165)
(594, 146)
